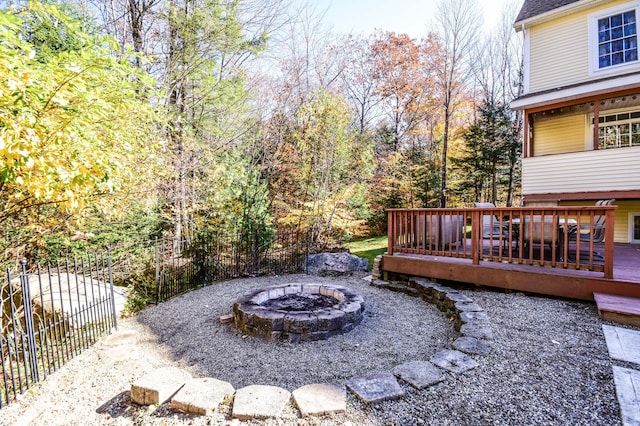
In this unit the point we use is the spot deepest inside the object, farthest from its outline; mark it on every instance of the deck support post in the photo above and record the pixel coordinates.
(609, 221)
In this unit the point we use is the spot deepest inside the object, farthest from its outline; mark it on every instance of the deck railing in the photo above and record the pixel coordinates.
(569, 237)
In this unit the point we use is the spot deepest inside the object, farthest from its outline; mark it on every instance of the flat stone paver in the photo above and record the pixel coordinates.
(376, 387)
(628, 390)
(468, 307)
(454, 361)
(458, 298)
(201, 396)
(259, 402)
(419, 374)
(623, 344)
(477, 330)
(320, 399)
(471, 346)
(125, 337)
(474, 316)
(158, 386)
(119, 353)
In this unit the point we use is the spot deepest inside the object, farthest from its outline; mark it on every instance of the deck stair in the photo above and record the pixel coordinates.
(620, 309)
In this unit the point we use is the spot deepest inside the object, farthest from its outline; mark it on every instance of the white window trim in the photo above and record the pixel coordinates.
(589, 119)
(594, 69)
(526, 61)
(631, 216)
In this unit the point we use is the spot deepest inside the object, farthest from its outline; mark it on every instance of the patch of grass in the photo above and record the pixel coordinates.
(368, 248)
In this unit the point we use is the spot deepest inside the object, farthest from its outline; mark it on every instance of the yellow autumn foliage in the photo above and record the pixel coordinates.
(72, 125)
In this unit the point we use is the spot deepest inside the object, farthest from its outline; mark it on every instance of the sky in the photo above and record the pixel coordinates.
(413, 17)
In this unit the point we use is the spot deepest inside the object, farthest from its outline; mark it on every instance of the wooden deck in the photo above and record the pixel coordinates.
(570, 283)
(560, 267)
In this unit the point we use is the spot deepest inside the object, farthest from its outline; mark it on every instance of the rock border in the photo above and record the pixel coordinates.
(469, 320)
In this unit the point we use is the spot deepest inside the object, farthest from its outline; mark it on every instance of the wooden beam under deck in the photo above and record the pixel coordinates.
(570, 284)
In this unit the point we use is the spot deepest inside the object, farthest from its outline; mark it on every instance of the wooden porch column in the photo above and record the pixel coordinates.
(609, 222)
(596, 125)
(525, 134)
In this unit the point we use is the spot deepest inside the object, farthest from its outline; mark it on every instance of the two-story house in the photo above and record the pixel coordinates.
(581, 105)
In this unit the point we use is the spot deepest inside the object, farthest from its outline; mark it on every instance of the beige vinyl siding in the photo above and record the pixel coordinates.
(559, 136)
(559, 51)
(603, 170)
(622, 225)
(622, 218)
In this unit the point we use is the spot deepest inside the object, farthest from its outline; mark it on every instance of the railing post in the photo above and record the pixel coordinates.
(390, 228)
(609, 222)
(476, 223)
(28, 319)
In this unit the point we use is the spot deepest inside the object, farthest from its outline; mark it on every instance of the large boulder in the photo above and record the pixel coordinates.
(335, 263)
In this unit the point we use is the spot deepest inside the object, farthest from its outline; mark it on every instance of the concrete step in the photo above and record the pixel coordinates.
(620, 309)
(628, 391)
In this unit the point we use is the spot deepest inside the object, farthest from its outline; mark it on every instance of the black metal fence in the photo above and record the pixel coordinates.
(50, 315)
(186, 264)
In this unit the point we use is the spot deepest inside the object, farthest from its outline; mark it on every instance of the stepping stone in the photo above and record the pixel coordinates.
(376, 387)
(479, 331)
(158, 386)
(623, 344)
(201, 396)
(468, 307)
(259, 402)
(454, 361)
(628, 390)
(320, 399)
(471, 346)
(474, 316)
(458, 298)
(127, 337)
(119, 353)
(419, 374)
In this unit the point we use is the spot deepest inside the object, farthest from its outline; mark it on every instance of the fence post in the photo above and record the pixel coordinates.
(157, 271)
(113, 296)
(306, 259)
(28, 319)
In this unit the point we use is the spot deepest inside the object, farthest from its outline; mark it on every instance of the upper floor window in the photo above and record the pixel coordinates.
(617, 39)
(614, 38)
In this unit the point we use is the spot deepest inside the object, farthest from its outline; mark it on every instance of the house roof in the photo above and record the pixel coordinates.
(532, 8)
(580, 91)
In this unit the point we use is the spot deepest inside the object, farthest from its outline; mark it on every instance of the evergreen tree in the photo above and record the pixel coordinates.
(491, 152)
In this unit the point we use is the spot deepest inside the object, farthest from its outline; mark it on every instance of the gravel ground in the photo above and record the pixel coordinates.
(549, 363)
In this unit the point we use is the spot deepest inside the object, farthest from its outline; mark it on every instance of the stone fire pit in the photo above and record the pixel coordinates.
(299, 312)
